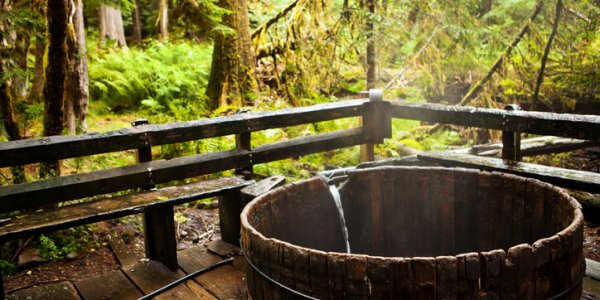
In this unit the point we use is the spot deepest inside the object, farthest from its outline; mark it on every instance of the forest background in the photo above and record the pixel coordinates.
(73, 66)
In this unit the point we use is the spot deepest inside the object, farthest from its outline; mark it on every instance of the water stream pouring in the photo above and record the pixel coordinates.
(338, 204)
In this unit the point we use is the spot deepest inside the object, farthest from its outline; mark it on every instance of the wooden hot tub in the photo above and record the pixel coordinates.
(415, 233)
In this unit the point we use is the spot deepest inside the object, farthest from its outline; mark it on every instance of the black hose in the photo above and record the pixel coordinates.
(185, 278)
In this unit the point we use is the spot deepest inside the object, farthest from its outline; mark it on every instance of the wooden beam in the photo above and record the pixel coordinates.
(59, 147)
(571, 179)
(586, 127)
(114, 207)
(307, 145)
(59, 189)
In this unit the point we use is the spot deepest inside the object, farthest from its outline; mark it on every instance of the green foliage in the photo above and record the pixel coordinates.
(162, 78)
(61, 243)
(7, 267)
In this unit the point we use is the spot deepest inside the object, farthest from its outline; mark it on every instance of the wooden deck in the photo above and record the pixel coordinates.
(143, 277)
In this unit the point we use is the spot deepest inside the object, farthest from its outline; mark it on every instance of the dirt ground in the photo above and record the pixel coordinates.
(194, 226)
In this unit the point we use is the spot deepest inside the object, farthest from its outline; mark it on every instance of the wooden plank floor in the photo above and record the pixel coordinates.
(143, 277)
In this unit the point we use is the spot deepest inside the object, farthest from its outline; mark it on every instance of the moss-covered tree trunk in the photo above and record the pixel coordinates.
(7, 115)
(371, 49)
(232, 75)
(76, 90)
(55, 77)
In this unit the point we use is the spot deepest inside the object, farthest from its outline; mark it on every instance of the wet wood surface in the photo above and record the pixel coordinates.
(572, 179)
(143, 277)
(108, 208)
(60, 147)
(586, 127)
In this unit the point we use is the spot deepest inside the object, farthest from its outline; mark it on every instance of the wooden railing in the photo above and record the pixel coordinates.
(376, 126)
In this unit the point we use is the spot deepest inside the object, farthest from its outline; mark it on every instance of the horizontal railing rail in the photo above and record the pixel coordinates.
(585, 127)
(60, 147)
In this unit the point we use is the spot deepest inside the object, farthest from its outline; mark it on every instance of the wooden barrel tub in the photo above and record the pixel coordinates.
(415, 233)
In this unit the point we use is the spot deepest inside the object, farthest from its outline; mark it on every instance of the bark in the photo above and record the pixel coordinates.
(478, 87)
(232, 75)
(20, 84)
(76, 90)
(7, 115)
(371, 50)
(37, 87)
(55, 77)
(111, 25)
(137, 23)
(164, 19)
(540, 79)
(486, 6)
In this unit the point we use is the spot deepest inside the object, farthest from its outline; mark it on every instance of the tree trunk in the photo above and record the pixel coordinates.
(232, 75)
(37, 87)
(371, 51)
(137, 23)
(7, 115)
(76, 90)
(111, 25)
(20, 84)
(55, 77)
(163, 12)
(540, 79)
(486, 6)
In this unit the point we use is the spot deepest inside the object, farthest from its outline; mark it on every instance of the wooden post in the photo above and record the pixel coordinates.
(377, 124)
(243, 142)
(511, 140)
(159, 224)
(232, 203)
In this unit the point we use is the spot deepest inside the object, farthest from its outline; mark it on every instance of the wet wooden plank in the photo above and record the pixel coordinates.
(59, 147)
(380, 276)
(572, 179)
(125, 255)
(223, 248)
(301, 270)
(111, 285)
(467, 275)
(510, 274)
(518, 210)
(61, 290)
(185, 291)
(446, 277)
(357, 193)
(484, 227)
(307, 145)
(109, 208)
(423, 276)
(401, 276)
(585, 127)
(252, 191)
(443, 202)
(336, 269)
(377, 191)
(495, 217)
(318, 273)
(149, 276)
(465, 207)
(491, 268)
(196, 258)
(423, 220)
(395, 214)
(60, 189)
(356, 285)
(224, 282)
